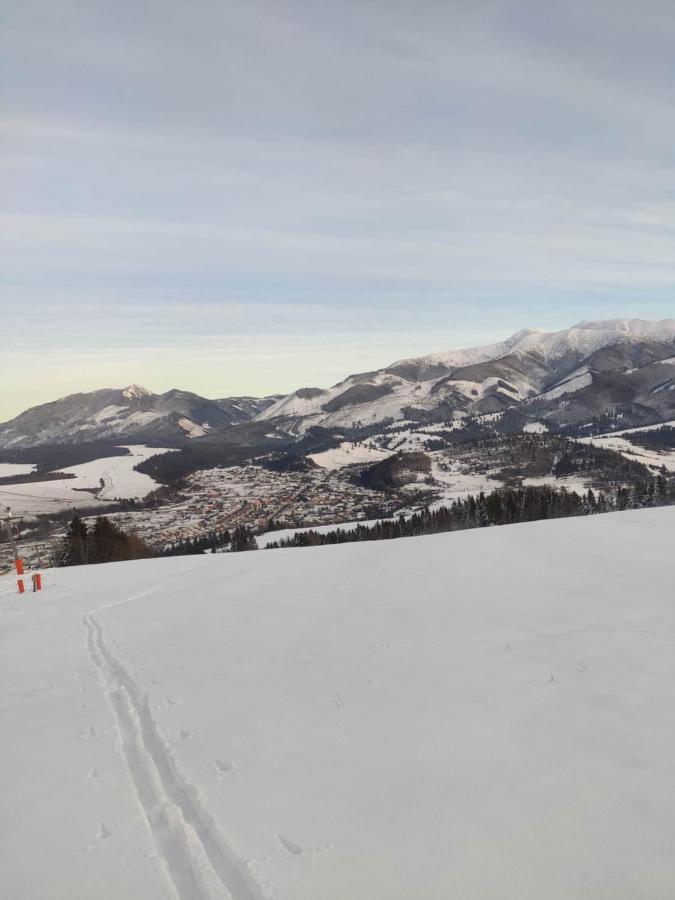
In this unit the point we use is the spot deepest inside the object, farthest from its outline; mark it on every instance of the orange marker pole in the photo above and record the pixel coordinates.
(20, 585)
(19, 566)
(38, 581)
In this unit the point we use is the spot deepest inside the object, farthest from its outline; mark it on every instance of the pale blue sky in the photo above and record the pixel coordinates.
(248, 197)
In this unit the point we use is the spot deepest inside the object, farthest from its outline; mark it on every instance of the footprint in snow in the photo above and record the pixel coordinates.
(289, 846)
(222, 767)
(170, 701)
(103, 832)
(184, 735)
(89, 733)
(92, 774)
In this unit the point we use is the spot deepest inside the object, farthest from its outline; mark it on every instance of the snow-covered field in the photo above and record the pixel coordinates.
(119, 478)
(12, 469)
(486, 714)
(653, 458)
(348, 454)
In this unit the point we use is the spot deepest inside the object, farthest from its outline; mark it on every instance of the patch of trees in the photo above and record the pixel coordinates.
(622, 416)
(101, 542)
(661, 439)
(501, 507)
(48, 457)
(287, 462)
(211, 542)
(32, 477)
(241, 539)
(395, 470)
(173, 468)
(525, 455)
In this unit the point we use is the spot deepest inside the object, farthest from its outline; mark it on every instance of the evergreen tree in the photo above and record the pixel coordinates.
(243, 539)
(74, 551)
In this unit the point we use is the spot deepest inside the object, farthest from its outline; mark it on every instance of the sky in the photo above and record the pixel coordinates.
(249, 197)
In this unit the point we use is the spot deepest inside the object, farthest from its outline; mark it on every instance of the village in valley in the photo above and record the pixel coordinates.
(220, 499)
(402, 469)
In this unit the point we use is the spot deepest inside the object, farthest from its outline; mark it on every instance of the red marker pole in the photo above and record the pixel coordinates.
(17, 562)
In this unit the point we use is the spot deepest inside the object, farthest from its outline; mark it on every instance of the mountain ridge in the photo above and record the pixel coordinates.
(489, 378)
(622, 367)
(131, 413)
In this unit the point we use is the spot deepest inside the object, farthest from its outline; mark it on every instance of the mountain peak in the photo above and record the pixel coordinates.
(136, 392)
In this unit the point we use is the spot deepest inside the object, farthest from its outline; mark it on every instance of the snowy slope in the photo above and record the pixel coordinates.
(584, 338)
(482, 715)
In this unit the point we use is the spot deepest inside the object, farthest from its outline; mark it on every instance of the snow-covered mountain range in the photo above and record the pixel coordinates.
(564, 378)
(129, 413)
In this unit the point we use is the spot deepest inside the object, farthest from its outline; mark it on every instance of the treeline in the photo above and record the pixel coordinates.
(48, 457)
(106, 507)
(390, 473)
(661, 439)
(105, 542)
(500, 507)
(242, 538)
(100, 543)
(626, 415)
(173, 468)
(32, 477)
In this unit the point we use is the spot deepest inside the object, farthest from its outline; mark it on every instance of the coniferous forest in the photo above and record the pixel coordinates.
(99, 543)
(105, 542)
(500, 507)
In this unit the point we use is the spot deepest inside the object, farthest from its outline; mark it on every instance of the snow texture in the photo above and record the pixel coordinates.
(485, 715)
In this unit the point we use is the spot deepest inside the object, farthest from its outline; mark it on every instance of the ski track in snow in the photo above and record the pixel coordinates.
(199, 863)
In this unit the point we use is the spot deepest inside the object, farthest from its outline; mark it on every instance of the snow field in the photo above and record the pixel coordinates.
(485, 714)
(117, 472)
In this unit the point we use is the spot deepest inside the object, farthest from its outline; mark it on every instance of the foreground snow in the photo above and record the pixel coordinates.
(486, 714)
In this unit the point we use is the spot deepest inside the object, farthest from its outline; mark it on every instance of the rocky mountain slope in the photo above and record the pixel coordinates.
(564, 377)
(129, 413)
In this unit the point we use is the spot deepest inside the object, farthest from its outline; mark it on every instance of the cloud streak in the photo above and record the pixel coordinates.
(182, 173)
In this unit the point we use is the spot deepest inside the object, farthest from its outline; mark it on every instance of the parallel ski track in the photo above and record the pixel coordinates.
(198, 860)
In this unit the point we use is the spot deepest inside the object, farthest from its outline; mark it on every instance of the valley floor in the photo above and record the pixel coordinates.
(486, 714)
